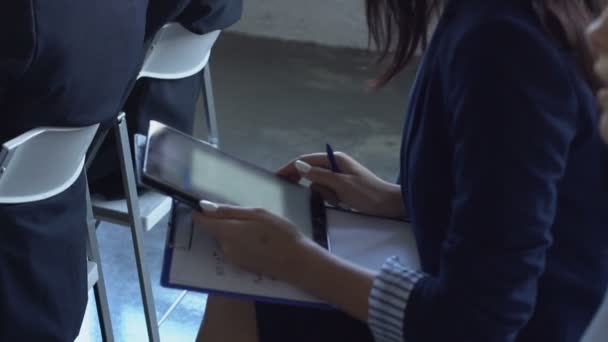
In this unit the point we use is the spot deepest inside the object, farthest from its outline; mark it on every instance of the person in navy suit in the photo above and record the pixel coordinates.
(172, 102)
(504, 176)
(61, 64)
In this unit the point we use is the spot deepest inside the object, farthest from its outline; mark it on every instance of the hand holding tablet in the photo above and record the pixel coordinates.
(191, 170)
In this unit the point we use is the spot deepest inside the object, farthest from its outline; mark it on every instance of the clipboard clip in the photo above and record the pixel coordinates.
(181, 228)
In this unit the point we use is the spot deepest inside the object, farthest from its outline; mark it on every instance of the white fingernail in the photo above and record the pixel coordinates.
(303, 166)
(208, 206)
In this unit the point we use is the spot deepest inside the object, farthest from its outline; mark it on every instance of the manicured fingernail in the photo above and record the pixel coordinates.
(303, 166)
(208, 206)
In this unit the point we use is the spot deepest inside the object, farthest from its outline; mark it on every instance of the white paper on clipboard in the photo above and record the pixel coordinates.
(364, 240)
(368, 241)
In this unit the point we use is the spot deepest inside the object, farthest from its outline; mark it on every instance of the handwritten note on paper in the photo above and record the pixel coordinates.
(205, 267)
(224, 269)
(364, 240)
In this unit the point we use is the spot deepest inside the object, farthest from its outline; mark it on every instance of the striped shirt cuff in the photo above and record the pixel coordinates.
(388, 300)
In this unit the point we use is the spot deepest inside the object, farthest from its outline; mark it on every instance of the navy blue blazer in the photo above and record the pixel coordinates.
(506, 180)
(62, 63)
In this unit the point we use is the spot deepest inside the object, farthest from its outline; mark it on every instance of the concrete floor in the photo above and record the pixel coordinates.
(275, 100)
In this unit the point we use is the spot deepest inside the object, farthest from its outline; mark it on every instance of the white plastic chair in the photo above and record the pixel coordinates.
(127, 212)
(598, 330)
(178, 53)
(174, 53)
(42, 163)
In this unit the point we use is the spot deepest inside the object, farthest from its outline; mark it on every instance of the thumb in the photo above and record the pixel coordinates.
(319, 175)
(222, 211)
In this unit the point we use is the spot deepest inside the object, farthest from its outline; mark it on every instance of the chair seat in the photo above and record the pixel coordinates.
(92, 273)
(152, 205)
(177, 53)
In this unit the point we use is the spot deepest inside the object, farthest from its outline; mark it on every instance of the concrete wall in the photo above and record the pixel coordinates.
(338, 23)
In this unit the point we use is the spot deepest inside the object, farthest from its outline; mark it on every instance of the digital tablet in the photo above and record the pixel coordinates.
(191, 170)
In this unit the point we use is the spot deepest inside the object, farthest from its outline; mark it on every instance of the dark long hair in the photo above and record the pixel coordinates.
(398, 28)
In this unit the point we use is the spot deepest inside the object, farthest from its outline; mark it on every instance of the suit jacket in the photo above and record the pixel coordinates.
(62, 63)
(506, 180)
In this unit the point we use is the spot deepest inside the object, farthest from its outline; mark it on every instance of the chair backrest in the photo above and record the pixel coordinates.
(177, 53)
(598, 330)
(42, 163)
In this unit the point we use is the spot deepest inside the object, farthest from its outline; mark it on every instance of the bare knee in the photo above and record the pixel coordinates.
(228, 319)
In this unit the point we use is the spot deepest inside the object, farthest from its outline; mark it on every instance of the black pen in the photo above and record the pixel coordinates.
(332, 159)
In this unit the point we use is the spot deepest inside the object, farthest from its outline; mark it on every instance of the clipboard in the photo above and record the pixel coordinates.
(193, 261)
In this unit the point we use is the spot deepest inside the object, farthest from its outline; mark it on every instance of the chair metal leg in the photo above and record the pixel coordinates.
(101, 298)
(214, 138)
(137, 231)
(94, 148)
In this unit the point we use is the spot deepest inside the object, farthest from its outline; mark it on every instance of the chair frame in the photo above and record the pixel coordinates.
(99, 289)
(133, 219)
(213, 134)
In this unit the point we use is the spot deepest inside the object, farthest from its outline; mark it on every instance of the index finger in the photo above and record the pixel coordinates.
(289, 170)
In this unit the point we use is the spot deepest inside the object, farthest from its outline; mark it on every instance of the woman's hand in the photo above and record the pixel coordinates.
(254, 239)
(263, 243)
(598, 38)
(356, 187)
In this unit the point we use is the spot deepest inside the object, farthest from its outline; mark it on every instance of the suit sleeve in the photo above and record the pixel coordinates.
(17, 43)
(513, 118)
(204, 16)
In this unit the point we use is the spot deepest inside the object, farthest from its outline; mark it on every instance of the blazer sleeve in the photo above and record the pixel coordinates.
(17, 43)
(203, 16)
(513, 119)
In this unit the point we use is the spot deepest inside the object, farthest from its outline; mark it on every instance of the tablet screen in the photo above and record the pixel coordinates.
(201, 171)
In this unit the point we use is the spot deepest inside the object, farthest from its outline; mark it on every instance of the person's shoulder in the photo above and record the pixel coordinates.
(503, 46)
(500, 36)
(499, 25)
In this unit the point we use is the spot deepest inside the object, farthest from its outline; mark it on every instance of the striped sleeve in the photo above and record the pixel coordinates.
(388, 300)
